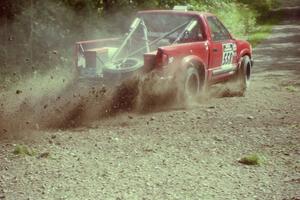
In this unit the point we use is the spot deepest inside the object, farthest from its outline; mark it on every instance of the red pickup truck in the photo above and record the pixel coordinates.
(195, 46)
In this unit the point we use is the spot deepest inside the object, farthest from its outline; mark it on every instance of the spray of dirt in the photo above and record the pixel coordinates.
(57, 101)
(27, 104)
(141, 93)
(230, 89)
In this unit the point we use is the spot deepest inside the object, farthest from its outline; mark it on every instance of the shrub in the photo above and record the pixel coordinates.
(23, 150)
(252, 159)
(261, 6)
(238, 18)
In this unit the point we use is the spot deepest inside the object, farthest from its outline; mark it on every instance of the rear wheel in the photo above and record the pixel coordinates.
(191, 83)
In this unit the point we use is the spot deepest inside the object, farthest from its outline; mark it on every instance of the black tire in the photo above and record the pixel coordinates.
(243, 75)
(191, 82)
(114, 76)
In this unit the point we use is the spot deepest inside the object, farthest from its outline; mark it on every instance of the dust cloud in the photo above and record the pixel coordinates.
(58, 100)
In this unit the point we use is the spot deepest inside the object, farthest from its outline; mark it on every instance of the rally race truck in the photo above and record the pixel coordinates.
(193, 45)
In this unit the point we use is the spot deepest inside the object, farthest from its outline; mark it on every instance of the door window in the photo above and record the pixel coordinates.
(217, 29)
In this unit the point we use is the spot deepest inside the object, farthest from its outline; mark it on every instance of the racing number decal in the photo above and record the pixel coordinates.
(228, 53)
(227, 58)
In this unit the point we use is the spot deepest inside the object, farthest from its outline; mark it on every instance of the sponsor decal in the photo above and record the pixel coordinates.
(228, 53)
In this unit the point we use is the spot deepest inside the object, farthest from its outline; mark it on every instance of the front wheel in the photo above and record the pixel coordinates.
(243, 75)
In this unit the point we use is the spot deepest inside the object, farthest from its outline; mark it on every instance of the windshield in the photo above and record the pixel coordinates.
(152, 30)
(158, 24)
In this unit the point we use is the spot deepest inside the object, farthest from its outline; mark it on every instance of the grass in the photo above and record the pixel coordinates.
(291, 88)
(252, 159)
(23, 150)
(263, 30)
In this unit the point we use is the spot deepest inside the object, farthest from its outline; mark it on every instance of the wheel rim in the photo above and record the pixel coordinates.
(129, 65)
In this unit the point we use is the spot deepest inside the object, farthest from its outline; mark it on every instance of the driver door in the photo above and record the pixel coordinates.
(222, 49)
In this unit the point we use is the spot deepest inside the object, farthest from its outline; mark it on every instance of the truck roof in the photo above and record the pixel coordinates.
(176, 12)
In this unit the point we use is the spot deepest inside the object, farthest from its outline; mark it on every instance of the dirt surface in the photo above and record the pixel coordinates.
(187, 153)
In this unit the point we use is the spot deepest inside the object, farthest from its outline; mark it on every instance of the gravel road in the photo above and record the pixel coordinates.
(187, 153)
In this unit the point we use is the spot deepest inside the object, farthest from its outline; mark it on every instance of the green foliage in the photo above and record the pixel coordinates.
(238, 18)
(260, 6)
(291, 88)
(238, 15)
(252, 159)
(260, 33)
(262, 30)
(23, 150)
